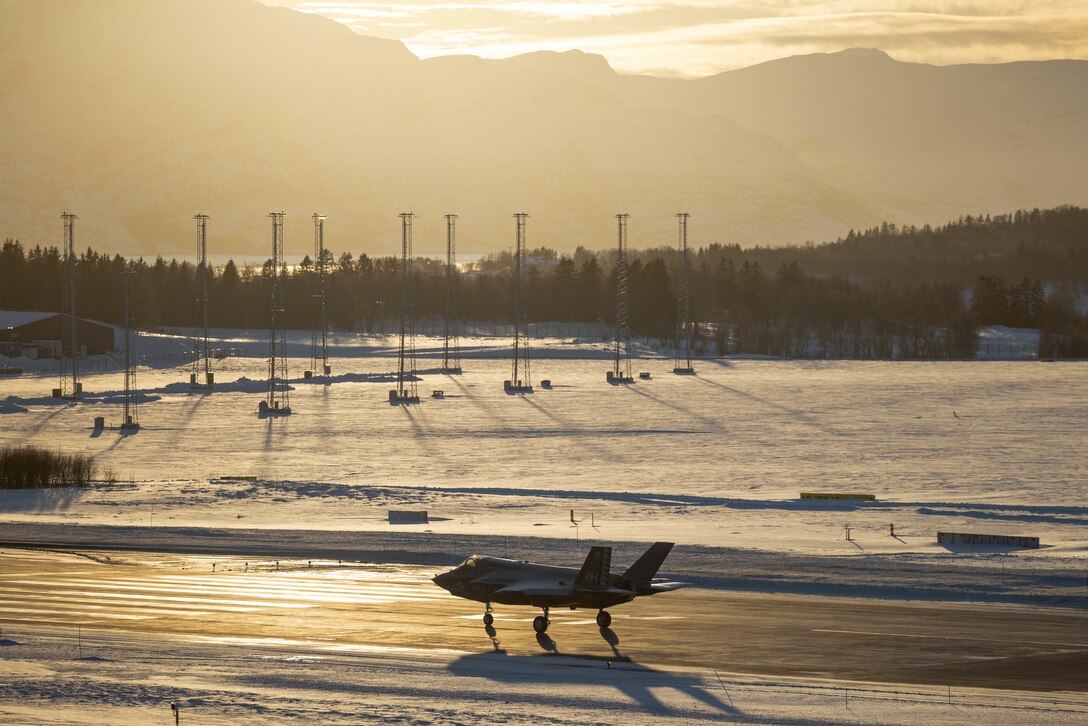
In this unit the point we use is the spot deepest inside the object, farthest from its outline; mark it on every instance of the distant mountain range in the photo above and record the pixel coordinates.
(137, 114)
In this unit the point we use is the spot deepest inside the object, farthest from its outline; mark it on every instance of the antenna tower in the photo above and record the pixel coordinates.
(278, 401)
(319, 341)
(684, 333)
(621, 368)
(70, 385)
(520, 378)
(451, 353)
(202, 367)
(130, 420)
(405, 391)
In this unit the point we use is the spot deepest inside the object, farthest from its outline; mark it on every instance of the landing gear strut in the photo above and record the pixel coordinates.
(541, 622)
(488, 617)
(604, 619)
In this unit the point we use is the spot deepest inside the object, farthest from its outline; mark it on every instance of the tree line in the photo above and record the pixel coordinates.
(1049, 245)
(802, 306)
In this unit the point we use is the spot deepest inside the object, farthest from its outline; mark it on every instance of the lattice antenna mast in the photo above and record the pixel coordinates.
(451, 352)
(278, 400)
(70, 386)
(131, 418)
(520, 374)
(684, 337)
(406, 370)
(319, 342)
(202, 366)
(621, 369)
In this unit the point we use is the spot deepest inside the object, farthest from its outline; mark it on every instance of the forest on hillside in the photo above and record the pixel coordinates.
(881, 293)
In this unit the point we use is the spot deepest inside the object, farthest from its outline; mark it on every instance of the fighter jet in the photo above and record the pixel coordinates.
(512, 582)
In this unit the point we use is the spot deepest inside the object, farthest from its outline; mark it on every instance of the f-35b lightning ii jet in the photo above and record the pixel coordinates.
(511, 582)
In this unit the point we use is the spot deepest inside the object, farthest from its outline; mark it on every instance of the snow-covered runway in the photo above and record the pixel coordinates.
(373, 607)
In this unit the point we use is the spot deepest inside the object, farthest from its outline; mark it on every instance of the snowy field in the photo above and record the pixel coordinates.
(714, 462)
(716, 459)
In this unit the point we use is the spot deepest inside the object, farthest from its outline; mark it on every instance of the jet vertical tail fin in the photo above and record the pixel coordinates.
(594, 572)
(647, 566)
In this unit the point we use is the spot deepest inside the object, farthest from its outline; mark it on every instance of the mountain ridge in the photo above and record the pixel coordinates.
(159, 109)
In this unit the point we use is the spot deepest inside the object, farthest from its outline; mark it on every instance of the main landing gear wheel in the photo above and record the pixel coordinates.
(604, 619)
(540, 624)
(488, 618)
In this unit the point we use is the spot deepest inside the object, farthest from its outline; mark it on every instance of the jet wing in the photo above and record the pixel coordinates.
(666, 586)
(550, 588)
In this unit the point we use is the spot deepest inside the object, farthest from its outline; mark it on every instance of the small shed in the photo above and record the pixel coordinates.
(401, 516)
(967, 538)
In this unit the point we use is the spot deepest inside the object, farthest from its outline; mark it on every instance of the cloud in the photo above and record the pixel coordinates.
(701, 37)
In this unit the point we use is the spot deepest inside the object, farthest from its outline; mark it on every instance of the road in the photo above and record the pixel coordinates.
(396, 605)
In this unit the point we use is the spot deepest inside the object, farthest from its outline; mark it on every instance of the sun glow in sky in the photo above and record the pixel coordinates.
(701, 37)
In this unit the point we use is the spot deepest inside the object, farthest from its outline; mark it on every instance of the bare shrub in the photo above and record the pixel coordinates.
(27, 467)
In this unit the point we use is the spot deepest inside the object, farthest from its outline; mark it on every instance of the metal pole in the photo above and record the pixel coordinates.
(201, 351)
(621, 369)
(451, 354)
(520, 366)
(70, 387)
(406, 389)
(130, 418)
(278, 400)
(319, 340)
(323, 259)
(684, 338)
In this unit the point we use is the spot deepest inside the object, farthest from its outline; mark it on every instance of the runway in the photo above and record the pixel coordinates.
(982, 646)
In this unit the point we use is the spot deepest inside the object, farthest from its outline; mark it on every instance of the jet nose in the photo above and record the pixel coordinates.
(442, 580)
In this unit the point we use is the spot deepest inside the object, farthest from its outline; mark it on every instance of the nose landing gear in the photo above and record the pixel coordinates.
(488, 617)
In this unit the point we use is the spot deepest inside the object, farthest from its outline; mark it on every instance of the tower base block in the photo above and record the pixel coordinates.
(397, 398)
(263, 409)
(206, 386)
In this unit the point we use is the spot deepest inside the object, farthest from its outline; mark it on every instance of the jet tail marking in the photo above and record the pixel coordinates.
(647, 566)
(594, 572)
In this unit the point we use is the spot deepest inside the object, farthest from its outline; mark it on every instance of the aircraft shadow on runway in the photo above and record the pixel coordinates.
(634, 680)
(618, 671)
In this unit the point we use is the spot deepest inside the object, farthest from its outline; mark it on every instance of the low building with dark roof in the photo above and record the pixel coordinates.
(43, 332)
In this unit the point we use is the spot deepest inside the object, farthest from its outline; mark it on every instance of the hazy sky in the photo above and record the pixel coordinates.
(700, 37)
